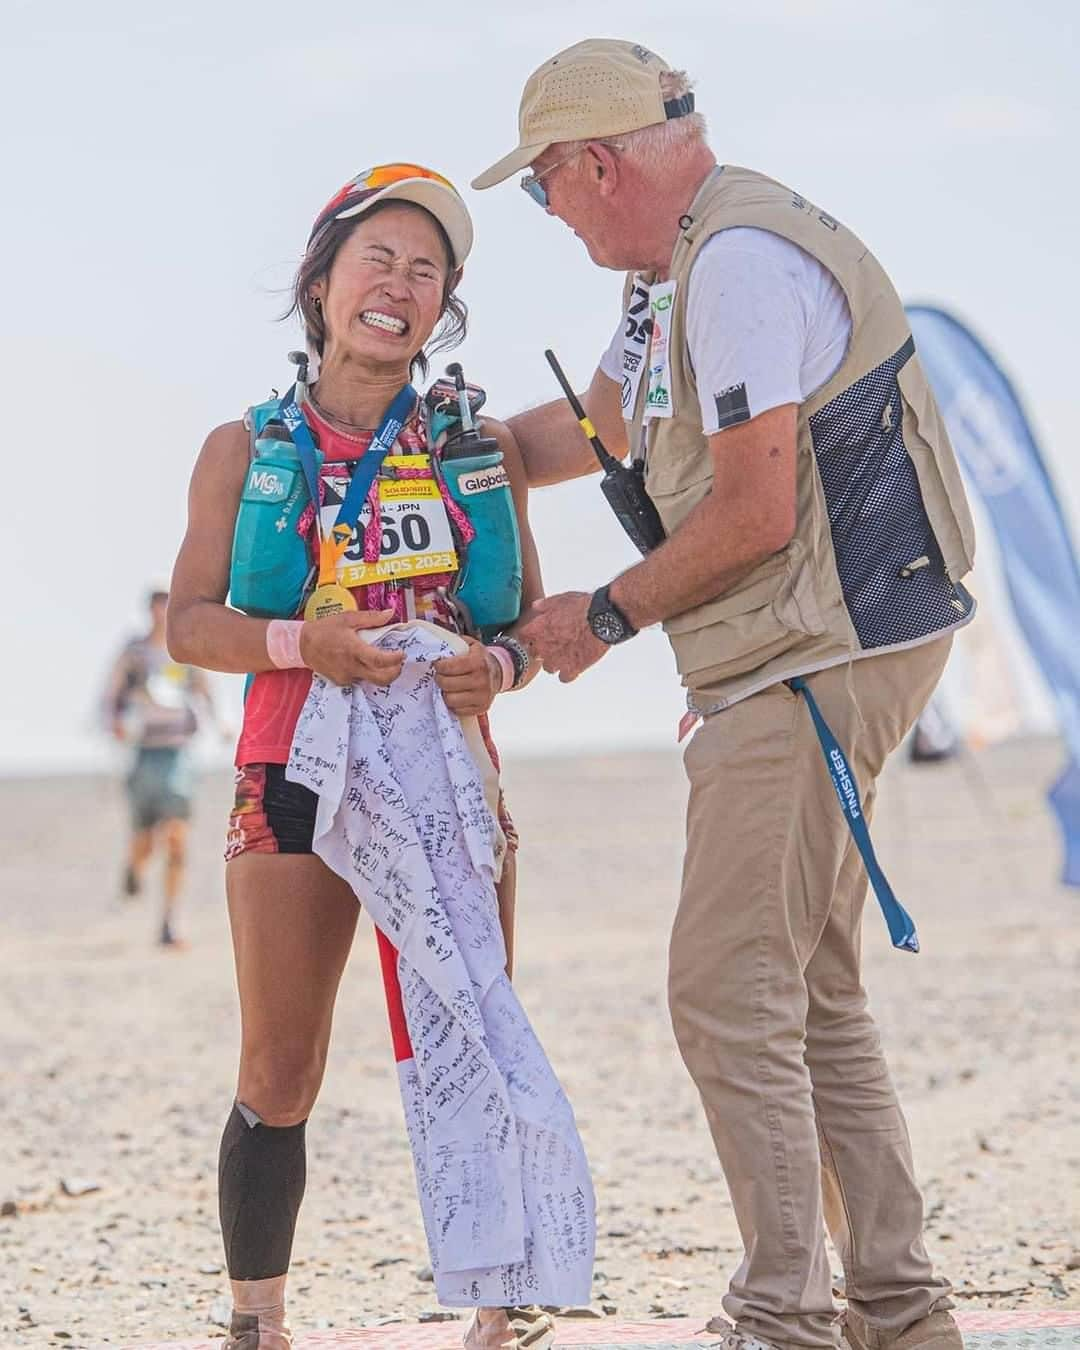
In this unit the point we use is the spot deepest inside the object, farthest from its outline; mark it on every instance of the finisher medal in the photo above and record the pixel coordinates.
(329, 599)
(329, 596)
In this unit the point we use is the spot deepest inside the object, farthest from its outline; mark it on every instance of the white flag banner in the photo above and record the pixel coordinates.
(404, 818)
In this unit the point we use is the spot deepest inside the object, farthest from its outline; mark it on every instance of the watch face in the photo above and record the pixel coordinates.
(608, 627)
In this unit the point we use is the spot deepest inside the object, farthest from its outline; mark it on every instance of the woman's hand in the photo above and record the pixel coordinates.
(469, 682)
(336, 648)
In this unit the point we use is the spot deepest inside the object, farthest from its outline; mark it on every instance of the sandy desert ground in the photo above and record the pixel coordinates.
(119, 1059)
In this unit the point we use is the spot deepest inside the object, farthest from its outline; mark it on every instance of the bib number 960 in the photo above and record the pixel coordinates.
(409, 532)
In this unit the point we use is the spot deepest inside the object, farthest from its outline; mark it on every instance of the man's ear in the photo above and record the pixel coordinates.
(603, 166)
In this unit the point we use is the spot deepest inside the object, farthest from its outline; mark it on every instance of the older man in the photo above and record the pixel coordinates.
(764, 375)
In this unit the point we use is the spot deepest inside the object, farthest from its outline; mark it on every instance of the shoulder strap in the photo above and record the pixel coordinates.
(136, 667)
(249, 423)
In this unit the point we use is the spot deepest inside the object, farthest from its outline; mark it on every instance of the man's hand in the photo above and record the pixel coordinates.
(469, 682)
(561, 636)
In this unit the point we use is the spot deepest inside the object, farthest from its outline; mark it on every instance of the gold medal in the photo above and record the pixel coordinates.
(329, 598)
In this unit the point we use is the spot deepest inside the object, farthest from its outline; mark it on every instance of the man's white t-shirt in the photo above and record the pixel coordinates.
(766, 324)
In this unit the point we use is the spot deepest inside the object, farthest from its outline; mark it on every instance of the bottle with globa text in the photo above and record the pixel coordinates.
(271, 564)
(489, 584)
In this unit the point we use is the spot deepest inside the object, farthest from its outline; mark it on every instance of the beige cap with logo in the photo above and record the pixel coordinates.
(599, 87)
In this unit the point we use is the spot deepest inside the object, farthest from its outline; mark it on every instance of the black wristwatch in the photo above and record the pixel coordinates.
(607, 620)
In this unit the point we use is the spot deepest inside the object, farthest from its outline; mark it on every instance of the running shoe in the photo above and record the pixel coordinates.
(249, 1331)
(169, 939)
(510, 1329)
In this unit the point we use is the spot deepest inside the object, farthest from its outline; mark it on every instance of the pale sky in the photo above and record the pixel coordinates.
(162, 167)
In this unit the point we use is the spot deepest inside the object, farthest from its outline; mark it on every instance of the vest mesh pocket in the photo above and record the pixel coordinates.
(891, 570)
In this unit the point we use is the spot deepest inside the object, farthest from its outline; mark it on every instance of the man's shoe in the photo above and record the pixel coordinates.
(732, 1339)
(936, 1332)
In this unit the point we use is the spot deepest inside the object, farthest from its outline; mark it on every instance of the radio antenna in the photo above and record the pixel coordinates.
(607, 460)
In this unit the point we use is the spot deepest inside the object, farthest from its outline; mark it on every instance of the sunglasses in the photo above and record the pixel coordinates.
(532, 185)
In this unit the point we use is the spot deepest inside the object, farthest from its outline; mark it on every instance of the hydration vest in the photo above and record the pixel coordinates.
(272, 571)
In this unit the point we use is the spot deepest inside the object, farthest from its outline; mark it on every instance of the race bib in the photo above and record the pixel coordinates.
(645, 347)
(168, 687)
(416, 539)
(635, 346)
(658, 401)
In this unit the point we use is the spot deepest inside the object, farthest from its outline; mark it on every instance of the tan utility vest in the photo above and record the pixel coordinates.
(883, 534)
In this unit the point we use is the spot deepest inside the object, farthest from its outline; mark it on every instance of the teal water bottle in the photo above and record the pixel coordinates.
(489, 584)
(270, 562)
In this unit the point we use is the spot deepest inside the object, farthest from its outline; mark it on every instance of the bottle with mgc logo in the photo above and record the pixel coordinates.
(270, 561)
(489, 584)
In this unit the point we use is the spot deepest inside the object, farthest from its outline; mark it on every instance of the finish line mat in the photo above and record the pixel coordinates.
(1021, 1330)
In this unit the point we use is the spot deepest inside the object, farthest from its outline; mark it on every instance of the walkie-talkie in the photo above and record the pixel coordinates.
(623, 487)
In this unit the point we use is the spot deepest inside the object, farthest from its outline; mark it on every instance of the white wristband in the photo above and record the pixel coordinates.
(283, 643)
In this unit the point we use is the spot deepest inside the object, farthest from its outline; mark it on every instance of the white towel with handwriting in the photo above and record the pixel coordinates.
(504, 1184)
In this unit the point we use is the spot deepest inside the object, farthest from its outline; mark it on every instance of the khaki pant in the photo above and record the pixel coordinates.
(770, 1013)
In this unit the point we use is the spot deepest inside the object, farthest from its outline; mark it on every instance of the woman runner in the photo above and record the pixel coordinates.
(376, 287)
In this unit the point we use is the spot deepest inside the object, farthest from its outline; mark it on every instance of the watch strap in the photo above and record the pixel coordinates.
(602, 601)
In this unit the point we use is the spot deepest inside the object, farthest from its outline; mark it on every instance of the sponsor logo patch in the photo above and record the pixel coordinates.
(485, 481)
(732, 406)
(267, 484)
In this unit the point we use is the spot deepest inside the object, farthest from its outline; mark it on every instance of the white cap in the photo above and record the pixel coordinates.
(404, 183)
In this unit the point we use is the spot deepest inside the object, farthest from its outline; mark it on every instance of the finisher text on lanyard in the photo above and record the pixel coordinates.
(900, 924)
(329, 597)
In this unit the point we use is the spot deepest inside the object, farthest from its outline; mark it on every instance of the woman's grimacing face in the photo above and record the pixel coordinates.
(384, 293)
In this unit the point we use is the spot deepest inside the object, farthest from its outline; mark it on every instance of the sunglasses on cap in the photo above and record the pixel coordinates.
(349, 201)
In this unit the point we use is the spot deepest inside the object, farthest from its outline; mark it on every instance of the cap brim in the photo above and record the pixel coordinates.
(443, 203)
(509, 165)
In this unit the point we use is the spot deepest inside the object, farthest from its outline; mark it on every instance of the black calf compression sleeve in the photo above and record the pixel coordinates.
(261, 1175)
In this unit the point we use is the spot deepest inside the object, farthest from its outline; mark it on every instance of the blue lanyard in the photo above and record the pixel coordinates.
(900, 924)
(364, 474)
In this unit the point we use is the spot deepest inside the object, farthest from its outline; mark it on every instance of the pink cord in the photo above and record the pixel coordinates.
(283, 643)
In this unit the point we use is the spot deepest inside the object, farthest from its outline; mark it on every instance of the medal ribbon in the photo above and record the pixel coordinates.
(332, 547)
